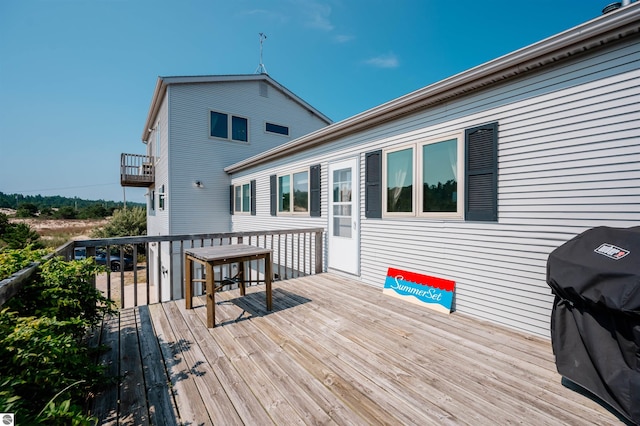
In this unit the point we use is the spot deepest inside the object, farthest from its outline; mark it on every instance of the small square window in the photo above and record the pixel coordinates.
(239, 129)
(219, 125)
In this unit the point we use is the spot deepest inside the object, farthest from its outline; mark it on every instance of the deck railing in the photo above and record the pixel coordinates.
(296, 252)
(136, 170)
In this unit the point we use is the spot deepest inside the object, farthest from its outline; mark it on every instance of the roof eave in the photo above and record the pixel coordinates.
(164, 82)
(591, 34)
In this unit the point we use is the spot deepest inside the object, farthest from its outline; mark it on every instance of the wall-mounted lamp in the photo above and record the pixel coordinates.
(198, 184)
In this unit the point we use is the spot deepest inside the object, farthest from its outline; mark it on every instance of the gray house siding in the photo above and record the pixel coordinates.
(188, 154)
(568, 160)
(195, 156)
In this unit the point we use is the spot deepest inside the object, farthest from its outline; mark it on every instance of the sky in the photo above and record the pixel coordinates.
(77, 76)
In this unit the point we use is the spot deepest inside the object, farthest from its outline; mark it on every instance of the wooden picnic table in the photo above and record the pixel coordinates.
(213, 256)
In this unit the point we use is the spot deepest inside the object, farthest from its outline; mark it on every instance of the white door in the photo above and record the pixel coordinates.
(344, 218)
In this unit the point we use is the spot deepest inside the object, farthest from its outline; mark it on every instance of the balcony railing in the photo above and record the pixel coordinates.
(159, 275)
(136, 170)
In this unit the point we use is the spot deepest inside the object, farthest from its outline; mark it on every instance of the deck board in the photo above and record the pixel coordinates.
(336, 351)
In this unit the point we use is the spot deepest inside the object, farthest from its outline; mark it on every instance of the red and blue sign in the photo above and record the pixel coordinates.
(434, 292)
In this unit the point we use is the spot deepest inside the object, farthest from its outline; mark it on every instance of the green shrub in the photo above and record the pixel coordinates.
(20, 235)
(124, 223)
(46, 368)
(14, 260)
(27, 210)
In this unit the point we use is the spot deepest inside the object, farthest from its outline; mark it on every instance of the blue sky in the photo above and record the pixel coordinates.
(77, 76)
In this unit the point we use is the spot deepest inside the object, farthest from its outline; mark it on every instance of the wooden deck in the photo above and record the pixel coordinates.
(332, 351)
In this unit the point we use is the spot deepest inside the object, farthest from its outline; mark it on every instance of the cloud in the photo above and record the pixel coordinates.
(267, 14)
(384, 61)
(316, 15)
(343, 38)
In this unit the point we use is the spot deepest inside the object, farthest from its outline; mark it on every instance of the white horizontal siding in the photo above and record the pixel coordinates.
(158, 221)
(194, 156)
(569, 160)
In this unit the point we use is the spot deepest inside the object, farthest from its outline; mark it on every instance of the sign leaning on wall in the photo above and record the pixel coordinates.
(433, 292)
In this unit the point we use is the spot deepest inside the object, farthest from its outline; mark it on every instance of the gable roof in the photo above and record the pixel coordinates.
(163, 82)
(592, 34)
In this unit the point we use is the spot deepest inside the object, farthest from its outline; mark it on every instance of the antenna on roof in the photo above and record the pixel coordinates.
(261, 69)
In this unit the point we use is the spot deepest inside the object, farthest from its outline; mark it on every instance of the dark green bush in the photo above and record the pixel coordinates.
(46, 368)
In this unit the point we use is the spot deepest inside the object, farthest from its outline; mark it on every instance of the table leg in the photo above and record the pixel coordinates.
(267, 279)
(241, 280)
(211, 300)
(188, 283)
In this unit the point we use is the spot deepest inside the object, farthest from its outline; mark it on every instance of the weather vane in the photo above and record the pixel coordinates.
(261, 68)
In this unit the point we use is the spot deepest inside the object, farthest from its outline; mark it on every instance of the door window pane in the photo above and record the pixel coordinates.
(342, 210)
(439, 177)
(342, 185)
(342, 227)
(400, 181)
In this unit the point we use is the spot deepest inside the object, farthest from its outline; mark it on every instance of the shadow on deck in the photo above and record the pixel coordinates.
(332, 351)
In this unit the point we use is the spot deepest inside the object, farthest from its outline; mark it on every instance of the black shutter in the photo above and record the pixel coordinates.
(231, 198)
(253, 198)
(373, 185)
(481, 182)
(314, 191)
(273, 194)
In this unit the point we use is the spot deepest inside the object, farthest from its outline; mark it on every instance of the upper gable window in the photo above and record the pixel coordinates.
(276, 128)
(219, 124)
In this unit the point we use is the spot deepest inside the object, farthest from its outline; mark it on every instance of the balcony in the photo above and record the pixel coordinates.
(136, 170)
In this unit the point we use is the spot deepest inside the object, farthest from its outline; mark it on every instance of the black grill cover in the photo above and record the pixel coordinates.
(595, 322)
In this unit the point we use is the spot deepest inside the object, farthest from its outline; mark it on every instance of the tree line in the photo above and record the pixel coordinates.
(58, 207)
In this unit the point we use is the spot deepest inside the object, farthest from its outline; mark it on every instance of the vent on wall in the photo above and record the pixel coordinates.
(264, 89)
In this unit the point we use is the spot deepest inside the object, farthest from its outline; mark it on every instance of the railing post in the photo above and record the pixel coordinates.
(159, 262)
(319, 250)
(91, 252)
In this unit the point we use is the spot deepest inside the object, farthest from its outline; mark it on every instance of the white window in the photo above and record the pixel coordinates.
(293, 193)
(220, 123)
(161, 198)
(398, 191)
(242, 196)
(424, 179)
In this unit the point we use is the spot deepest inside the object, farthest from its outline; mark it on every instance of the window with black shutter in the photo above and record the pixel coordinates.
(314, 191)
(373, 185)
(481, 193)
(273, 194)
(253, 197)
